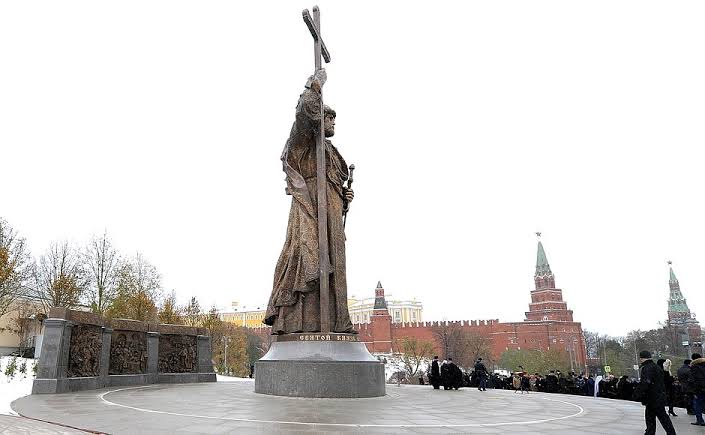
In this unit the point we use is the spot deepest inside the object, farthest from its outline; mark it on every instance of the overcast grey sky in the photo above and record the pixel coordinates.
(471, 125)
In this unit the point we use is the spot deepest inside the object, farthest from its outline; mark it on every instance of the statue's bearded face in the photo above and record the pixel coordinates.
(329, 125)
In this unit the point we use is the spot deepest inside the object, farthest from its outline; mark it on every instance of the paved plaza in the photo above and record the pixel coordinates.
(233, 407)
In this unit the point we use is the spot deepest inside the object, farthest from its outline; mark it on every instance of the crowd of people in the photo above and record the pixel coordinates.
(446, 374)
(657, 387)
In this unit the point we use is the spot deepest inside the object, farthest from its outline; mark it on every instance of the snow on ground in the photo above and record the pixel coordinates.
(222, 378)
(19, 385)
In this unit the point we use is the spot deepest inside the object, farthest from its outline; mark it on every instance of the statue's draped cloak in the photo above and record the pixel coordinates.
(294, 305)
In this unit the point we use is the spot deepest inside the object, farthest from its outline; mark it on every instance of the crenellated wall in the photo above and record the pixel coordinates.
(380, 335)
(565, 336)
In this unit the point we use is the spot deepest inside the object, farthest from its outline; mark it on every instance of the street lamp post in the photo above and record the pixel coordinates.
(225, 362)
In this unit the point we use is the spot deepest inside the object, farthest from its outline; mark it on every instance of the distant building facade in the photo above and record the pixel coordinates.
(360, 312)
(21, 326)
(247, 318)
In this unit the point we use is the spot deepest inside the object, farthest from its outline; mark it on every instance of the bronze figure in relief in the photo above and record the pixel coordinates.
(177, 353)
(84, 351)
(128, 353)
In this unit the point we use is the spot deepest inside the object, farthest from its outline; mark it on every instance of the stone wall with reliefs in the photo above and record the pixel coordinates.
(83, 351)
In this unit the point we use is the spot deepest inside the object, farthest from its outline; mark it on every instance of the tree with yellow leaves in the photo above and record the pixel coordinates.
(15, 267)
(138, 290)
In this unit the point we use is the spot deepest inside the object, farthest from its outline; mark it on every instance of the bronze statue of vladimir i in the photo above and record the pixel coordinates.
(294, 305)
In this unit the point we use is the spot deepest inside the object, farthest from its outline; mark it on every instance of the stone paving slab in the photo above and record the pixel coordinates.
(233, 407)
(13, 425)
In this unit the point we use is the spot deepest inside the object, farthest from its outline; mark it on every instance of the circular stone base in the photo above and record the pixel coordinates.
(335, 366)
(233, 407)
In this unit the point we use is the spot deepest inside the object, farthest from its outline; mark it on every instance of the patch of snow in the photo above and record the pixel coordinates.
(222, 378)
(12, 388)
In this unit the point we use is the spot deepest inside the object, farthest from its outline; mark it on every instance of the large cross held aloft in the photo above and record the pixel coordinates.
(314, 25)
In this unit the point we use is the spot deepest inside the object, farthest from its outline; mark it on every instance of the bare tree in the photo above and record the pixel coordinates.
(102, 263)
(446, 335)
(462, 345)
(15, 267)
(192, 312)
(60, 279)
(138, 289)
(473, 346)
(592, 343)
(414, 353)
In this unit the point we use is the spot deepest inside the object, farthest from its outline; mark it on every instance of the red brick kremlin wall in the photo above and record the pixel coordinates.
(380, 334)
(547, 325)
(503, 336)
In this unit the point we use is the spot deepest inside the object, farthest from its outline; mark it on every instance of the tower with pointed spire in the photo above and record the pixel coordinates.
(679, 315)
(678, 311)
(380, 301)
(381, 322)
(546, 300)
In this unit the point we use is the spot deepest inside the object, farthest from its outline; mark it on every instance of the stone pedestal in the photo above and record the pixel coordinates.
(319, 365)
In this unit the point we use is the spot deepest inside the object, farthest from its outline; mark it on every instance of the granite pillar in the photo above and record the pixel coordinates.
(203, 358)
(105, 356)
(55, 356)
(152, 357)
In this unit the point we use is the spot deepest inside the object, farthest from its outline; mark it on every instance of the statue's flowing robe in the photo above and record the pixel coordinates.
(294, 305)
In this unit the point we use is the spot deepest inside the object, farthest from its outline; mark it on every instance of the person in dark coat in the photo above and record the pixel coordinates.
(551, 382)
(562, 388)
(481, 373)
(445, 375)
(665, 365)
(685, 380)
(435, 378)
(455, 375)
(625, 389)
(697, 374)
(652, 394)
(590, 386)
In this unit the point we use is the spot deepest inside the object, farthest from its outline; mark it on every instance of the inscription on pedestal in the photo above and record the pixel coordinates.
(313, 336)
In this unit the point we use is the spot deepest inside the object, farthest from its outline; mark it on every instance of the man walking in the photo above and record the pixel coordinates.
(481, 373)
(651, 392)
(697, 386)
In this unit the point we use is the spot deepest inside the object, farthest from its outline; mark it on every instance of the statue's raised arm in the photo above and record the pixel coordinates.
(308, 110)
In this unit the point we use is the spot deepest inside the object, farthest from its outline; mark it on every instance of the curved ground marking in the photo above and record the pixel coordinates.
(248, 420)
